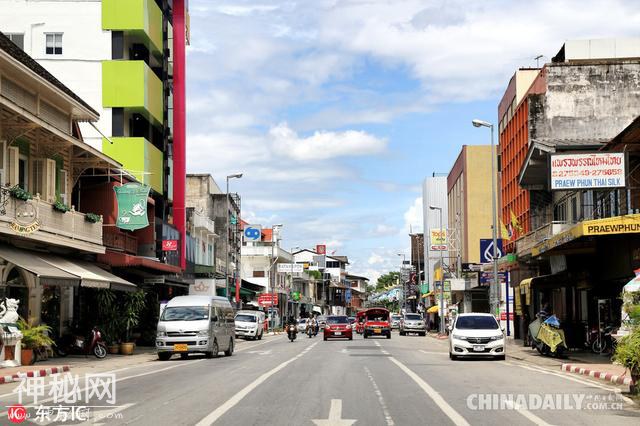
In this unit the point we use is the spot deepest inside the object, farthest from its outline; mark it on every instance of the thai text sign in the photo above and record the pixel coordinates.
(587, 171)
(438, 239)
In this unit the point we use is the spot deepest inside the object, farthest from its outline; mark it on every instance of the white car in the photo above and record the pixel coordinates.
(476, 335)
(249, 324)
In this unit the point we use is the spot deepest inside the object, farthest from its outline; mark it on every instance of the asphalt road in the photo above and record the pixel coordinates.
(402, 381)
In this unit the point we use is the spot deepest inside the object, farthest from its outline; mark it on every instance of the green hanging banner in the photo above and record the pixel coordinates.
(132, 206)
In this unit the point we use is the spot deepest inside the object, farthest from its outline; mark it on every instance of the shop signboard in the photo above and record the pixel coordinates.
(583, 171)
(132, 206)
(438, 239)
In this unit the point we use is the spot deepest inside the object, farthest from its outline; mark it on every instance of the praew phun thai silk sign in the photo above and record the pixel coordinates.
(132, 206)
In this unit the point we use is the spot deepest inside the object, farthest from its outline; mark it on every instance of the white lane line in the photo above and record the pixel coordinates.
(383, 404)
(573, 379)
(447, 409)
(526, 413)
(432, 352)
(122, 379)
(212, 417)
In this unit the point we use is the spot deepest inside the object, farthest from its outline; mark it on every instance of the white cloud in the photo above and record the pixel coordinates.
(413, 217)
(375, 259)
(324, 145)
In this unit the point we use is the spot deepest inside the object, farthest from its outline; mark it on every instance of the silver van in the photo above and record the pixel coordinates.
(196, 324)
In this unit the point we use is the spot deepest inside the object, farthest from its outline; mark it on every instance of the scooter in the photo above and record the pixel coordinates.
(547, 337)
(78, 345)
(312, 330)
(292, 331)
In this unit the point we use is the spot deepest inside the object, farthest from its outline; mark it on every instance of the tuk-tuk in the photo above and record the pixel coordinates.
(361, 318)
(377, 322)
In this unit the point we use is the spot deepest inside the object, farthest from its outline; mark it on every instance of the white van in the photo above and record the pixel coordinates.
(250, 324)
(196, 324)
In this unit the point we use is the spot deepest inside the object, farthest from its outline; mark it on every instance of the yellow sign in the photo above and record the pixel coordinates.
(438, 239)
(629, 224)
(25, 229)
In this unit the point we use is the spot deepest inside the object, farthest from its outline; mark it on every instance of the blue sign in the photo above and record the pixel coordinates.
(486, 278)
(486, 250)
(347, 295)
(252, 233)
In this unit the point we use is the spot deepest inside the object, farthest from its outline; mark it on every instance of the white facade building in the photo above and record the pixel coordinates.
(77, 46)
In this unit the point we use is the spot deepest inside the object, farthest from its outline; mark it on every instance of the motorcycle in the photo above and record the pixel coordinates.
(547, 337)
(312, 330)
(604, 341)
(78, 345)
(292, 330)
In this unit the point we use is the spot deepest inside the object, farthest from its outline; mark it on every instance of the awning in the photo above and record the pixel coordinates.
(433, 310)
(48, 274)
(55, 270)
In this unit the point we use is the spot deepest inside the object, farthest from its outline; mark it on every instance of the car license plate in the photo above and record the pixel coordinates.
(180, 347)
(338, 333)
(377, 330)
(478, 348)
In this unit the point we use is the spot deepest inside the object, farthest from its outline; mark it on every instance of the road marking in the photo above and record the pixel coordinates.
(129, 377)
(244, 348)
(432, 352)
(267, 352)
(526, 413)
(455, 417)
(376, 390)
(212, 417)
(335, 416)
(573, 379)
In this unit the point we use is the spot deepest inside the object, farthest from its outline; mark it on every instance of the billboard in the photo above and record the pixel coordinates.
(438, 239)
(290, 268)
(321, 249)
(587, 171)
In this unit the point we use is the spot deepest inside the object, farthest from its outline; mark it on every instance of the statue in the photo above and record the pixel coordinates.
(9, 311)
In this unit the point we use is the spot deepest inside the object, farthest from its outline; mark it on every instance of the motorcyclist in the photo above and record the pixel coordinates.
(311, 326)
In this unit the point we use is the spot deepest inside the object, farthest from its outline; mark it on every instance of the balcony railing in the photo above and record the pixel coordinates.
(203, 223)
(36, 219)
(120, 241)
(526, 243)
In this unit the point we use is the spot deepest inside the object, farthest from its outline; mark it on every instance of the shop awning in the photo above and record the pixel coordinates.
(30, 261)
(433, 310)
(90, 275)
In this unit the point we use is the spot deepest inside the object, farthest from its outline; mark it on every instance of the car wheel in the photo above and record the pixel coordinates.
(402, 333)
(260, 337)
(364, 335)
(423, 334)
(389, 335)
(325, 338)
(229, 351)
(164, 356)
(350, 337)
(215, 349)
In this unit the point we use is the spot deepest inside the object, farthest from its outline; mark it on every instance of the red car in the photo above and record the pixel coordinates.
(377, 323)
(338, 326)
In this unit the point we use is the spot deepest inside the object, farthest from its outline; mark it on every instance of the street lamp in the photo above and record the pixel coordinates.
(493, 289)
(404, 297)
(441, 271)
(274, 259)
(226, 269)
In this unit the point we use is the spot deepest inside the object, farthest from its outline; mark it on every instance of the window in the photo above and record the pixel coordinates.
(23, 172)
(258, 274)
(17, 39)
(54, 44)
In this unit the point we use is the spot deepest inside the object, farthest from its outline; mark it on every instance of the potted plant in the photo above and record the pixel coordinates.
(92, 217)
(33, 337)
(19, 193)
(61, 207)
(130, 314)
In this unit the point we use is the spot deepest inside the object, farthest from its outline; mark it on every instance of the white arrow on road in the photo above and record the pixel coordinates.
(335, 416)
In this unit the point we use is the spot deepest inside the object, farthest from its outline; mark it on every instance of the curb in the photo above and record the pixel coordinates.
(609, 377)
(33, 373)
(438, 336)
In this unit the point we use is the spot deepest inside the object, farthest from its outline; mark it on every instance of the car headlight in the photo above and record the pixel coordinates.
(497, 337)
(458, 337)
(203, 333)
(161, 334)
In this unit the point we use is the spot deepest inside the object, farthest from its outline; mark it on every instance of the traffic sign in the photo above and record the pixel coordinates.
(486, 250)
(268, 299)
(347, 295)
(253, 233)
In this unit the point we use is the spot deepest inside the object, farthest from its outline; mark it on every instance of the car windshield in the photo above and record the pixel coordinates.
(412, 317)
(479, 322)
(302, 321)
(337, 320)
(395, 317)
(185, 313)
(245, 318)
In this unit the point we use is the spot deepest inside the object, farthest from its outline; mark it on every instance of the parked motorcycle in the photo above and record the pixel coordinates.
(78, 345)
(292, 331)
(604, 341)
(547, 337)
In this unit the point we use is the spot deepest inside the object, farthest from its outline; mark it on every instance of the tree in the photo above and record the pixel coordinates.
(387, 280)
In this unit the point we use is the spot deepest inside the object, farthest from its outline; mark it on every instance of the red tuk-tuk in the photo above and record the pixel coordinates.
(361, 317)
(377, 322)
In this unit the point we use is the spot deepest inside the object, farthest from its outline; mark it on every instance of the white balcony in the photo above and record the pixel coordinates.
(36, 220)
(203, 224)
(526, 243)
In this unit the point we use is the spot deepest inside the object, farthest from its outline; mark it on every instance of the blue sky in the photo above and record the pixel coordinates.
(336, 110)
